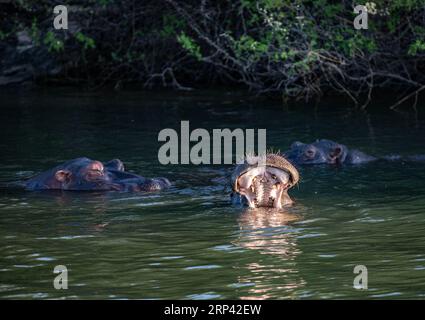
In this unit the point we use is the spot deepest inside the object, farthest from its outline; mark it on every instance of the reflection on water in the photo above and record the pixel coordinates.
(268, 231)
(189, 242)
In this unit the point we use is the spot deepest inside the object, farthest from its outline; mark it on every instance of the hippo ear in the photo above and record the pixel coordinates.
(297, 144)
(62, 175)
(115, 164)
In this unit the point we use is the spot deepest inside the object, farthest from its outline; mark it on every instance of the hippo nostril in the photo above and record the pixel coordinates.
(310, 153)
(156, 184)
(336, 153)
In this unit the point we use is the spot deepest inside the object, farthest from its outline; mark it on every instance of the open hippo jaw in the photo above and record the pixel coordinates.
(265, 185)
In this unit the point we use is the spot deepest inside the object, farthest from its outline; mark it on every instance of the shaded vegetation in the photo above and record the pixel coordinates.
(300, 49)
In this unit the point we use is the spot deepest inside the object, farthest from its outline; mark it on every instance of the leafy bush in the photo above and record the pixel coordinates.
(297, 48)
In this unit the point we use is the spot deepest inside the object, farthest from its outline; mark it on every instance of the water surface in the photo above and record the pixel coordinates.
(189, 242)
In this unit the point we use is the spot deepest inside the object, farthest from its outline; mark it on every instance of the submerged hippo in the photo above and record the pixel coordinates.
(330, 152)
(325, 151)
(83, 174)
(264, 186)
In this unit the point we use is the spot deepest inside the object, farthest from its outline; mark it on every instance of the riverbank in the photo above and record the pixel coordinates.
(297, 51)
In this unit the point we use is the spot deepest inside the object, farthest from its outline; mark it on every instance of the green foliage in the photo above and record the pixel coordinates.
(4, 34)
(267, 44)
(171, 24)
(331, 10)
(86, 41)
(407, 5)
(354, 41)
(53, 43)
(35, 32)
(190, 45)
(250, 48)
(115, 57)
(415, 47)
(393, 22)
(129, 56)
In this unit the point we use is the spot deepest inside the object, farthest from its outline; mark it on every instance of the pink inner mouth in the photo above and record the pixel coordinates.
(263, 186)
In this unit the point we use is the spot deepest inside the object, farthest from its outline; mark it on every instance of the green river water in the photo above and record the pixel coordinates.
(189, 242)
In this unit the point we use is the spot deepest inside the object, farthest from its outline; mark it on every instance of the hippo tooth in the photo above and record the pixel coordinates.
(277, 200)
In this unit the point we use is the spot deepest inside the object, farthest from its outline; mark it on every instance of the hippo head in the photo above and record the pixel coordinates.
(83, 174)
(76, 174)
(264, 185)
(319, 152)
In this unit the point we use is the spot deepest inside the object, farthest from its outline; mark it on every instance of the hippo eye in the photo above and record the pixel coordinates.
(310, 153)
(273, 177)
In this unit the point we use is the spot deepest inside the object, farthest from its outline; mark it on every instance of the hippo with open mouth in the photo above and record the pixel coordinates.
(260, 185)
(84, 174)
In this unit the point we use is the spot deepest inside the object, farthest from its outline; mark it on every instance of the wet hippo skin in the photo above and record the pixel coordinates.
(325, 151)
(330, 152)
(84, 174)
